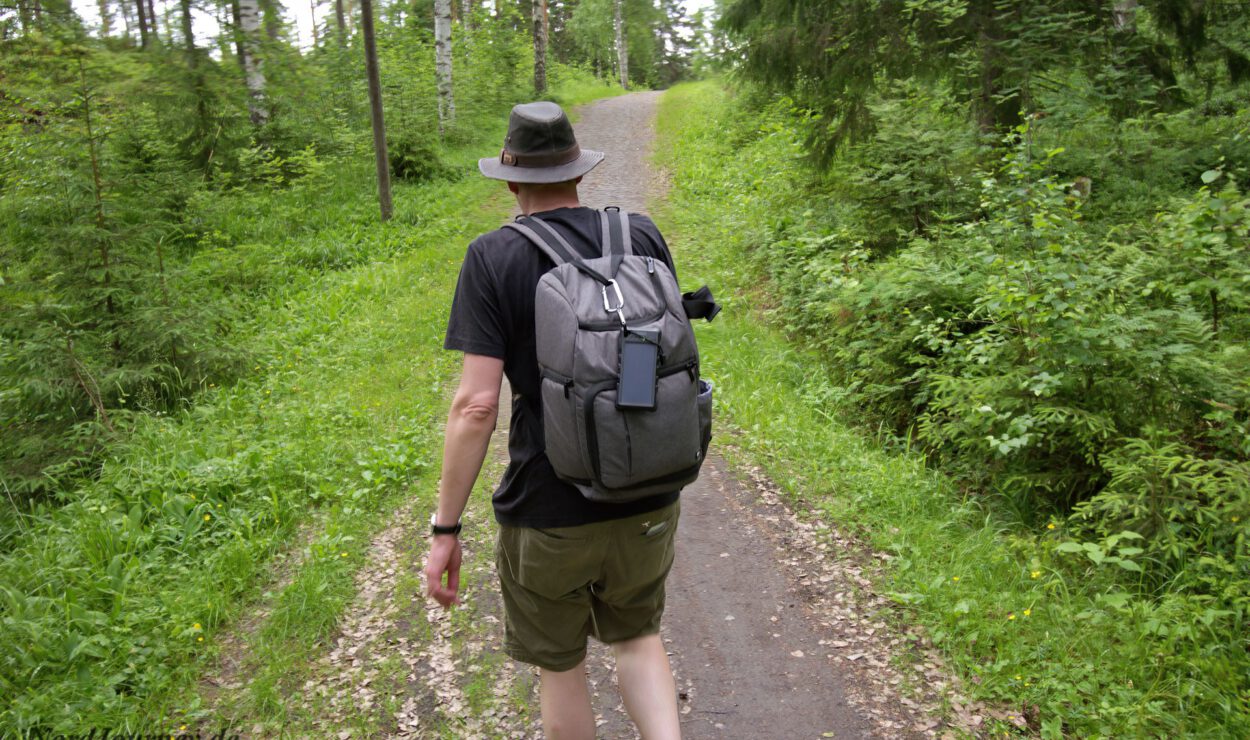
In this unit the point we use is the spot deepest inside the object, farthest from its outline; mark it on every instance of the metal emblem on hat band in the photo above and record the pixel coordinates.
(551, 159)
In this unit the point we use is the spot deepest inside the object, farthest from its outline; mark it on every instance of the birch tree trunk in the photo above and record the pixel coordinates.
(341, 21)
(380, 159)
(622, 53)
(466, 13)
(442, 62)
(254, 76)
(540, 47)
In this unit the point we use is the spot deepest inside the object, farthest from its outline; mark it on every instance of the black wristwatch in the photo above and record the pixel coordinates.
(436, 529)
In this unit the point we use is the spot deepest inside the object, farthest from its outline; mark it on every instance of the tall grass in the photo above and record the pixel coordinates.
(1023, 624)
(112, 597)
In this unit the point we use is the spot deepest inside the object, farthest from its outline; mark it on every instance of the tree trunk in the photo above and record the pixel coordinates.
(312, 15)
(1124, 16)
(380, 160)
(341, 21)
(106, 19)
(124, 9)
(203, 118)
(236, 32)
(540, 47)
(994, 112)
(272, 13)
(98, 196)
(254, 76)
(143, 23)
(23, 14)
(622, 52)
(153, 32)
(442, 63)
(466, 13)
(188, 34)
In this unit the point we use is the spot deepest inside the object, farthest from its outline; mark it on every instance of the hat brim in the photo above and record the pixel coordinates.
(496, 170)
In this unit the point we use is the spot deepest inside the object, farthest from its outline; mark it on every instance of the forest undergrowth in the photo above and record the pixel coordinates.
(314, 334)
(926, 393)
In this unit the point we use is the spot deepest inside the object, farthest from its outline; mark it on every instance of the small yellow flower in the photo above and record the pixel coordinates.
(207, 517)
(342, 554)
(955, 579)
(1035, 574)
(1050, 526)
(195, 626)
(1011, 617)
(1019, 677)
(199, 639)
(1028, 612)
(181, 728)
(1236, 519)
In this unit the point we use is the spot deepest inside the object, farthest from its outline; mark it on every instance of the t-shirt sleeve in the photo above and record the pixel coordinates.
(641, 226)
(476, 323)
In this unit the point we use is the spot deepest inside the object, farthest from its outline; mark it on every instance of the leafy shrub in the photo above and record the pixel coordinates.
(416, 158)
(1061, 357)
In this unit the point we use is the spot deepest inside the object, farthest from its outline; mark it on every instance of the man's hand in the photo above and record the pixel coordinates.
(444, 557)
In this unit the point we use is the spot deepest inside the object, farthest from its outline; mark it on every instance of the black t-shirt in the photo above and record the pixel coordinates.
(493, 314)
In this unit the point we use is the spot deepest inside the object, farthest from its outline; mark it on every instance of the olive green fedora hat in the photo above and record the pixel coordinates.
(540, 147)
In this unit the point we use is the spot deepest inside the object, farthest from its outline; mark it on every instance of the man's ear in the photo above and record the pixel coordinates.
(578, 181)
(512, 186)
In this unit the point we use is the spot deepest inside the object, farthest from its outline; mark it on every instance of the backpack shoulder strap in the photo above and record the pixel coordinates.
(559, 250)
(615, 237)
(552, 244)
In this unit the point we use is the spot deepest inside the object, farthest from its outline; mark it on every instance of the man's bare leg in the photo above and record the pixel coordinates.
(565, 700)
(646, 682)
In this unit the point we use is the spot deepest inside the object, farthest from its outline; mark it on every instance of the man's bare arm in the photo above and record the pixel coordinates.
(474, 411)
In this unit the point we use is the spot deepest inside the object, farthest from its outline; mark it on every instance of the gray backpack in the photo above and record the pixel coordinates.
(584, 309)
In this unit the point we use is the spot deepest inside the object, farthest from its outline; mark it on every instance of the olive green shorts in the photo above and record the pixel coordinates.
(604, 579)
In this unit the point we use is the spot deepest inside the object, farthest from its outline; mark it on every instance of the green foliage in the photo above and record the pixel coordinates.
(999, 58)
(199, 323)
(128, 251)
(416, 158)
(1049, 349)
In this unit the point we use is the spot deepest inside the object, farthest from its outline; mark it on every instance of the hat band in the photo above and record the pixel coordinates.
(553, 159)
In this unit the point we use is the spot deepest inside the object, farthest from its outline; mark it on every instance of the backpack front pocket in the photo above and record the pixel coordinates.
(561, 427)
(632, 448)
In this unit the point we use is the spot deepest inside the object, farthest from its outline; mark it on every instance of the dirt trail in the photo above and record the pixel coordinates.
(772, 625)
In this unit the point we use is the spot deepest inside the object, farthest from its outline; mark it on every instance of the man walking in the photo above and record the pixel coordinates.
(569, 567)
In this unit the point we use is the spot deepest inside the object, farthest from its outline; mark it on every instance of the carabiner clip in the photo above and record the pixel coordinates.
(618, 309)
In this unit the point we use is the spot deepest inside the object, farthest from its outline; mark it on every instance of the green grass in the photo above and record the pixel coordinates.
(1022, 627)
(113, 597)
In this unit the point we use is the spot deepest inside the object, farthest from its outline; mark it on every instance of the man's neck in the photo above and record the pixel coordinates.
(539, 201)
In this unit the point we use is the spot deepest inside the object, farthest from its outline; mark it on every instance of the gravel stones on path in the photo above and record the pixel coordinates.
(773, 626)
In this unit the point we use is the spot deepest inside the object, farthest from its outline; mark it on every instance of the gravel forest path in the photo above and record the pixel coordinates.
(769, 625)
(773, 626)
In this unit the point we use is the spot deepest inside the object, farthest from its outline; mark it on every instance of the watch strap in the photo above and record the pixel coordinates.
(436, 528)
